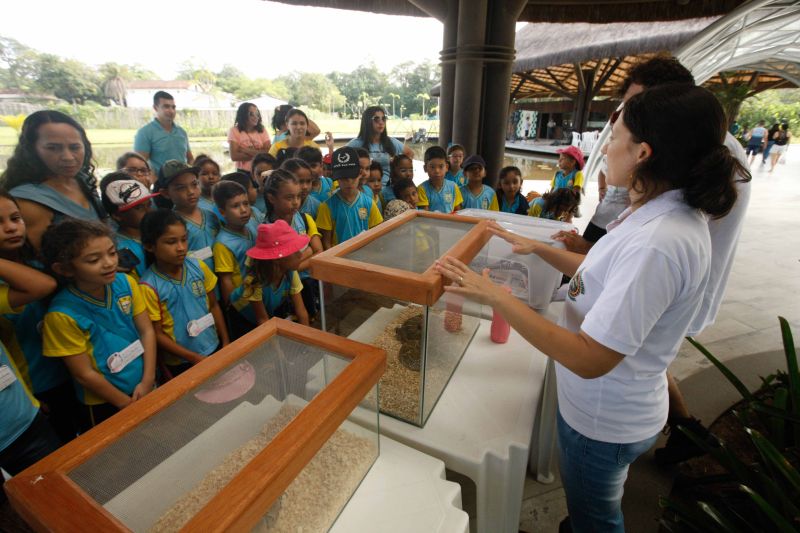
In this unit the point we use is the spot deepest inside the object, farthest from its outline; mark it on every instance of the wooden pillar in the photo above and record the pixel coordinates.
(584, 100)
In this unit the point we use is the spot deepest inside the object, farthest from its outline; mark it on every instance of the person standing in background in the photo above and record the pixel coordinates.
(162, 139)
(248, 136)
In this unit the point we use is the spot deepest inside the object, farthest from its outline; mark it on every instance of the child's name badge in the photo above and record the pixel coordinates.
(196, 327)
(119, 360)
(202, 254)
(7, 376)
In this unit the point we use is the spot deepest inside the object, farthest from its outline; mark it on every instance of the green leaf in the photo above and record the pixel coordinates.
(772, 411)
(688, 516)
(746, 394)
(776, 424)
(775, 459)
(718, 517)
(792, 372)
(780, 523)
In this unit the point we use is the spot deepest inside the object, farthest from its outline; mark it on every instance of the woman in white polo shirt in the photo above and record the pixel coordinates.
(632, 298)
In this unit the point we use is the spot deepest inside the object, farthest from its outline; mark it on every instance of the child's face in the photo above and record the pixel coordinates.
(348, 186)
(566, 163)
(436, 169)
(237, 211)
(287, 200)
(184, 191)
(456, 157)
(404, 169)
(139, 171)
(304, 182)
(474, 174)
(172, 246)
(327, 171)
(258, 169)
(291, 262)
(252, 193)
(511, 184)
(374, 181)
(12, 227)
(132, 218)
(316, 170)
(364, 174)
(96, 264)
(410, 196)
(209, 176)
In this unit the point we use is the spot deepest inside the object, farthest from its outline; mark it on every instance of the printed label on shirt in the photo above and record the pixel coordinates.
(124, 304)
(118, 361)
(576, 287)
(196, 327)
(362, 213)
(7, 376)
(198, 289)
(202, 254)
(448, 197)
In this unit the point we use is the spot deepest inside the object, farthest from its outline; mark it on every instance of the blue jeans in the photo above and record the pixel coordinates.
(593, 474)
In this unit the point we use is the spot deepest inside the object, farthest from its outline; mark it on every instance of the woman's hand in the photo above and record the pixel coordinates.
(519, 245)
(329, 140)
(467, 283)
(573, 242)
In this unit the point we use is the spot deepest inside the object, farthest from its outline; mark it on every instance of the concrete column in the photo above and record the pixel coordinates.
(471, 36)
(583, 102)
(499, 58)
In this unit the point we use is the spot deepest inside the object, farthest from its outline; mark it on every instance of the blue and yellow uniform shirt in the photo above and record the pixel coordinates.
(202, 236)
(443, 200)
(303, 224)
(346, 220)
(570, 180)
(487, 199)
(458, 178)
(325, 189)
(519, 206)
(275, 296)
(377, 199)
(78, 323)
(181, 305)
(310, 206)
(17, 404)
(230, 256)
(135, 246)
(206, 204)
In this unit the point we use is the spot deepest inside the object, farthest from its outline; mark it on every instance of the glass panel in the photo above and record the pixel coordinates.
(414, 246)
(320, 492)
(159, 475)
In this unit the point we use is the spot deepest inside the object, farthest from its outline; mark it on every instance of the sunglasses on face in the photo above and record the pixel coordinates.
(378, 118)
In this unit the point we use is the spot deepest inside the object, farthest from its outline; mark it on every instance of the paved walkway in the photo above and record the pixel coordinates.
(764, 283)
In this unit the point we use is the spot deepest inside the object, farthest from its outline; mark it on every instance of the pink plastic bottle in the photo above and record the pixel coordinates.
(500, 328)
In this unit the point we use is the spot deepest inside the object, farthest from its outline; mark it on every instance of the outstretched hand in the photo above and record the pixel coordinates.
(573, 242)
(519, 245)
(467, 283)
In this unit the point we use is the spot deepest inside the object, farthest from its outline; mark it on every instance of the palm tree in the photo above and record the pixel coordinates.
(393, 96)
(423, 97)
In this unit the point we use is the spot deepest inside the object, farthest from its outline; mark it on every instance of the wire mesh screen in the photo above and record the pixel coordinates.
(159, 474)
(413, 246)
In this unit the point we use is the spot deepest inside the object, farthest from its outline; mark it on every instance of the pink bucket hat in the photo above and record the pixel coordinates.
(575, 153)
(277, 240)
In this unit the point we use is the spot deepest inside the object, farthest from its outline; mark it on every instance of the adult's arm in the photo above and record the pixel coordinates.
(25, 284)
(564, 261)
(312, 129)
(37, 218)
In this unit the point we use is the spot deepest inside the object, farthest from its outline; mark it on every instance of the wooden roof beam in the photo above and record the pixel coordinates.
(546, 85)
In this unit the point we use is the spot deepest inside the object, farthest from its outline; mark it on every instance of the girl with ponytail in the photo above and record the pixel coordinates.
(632, 298)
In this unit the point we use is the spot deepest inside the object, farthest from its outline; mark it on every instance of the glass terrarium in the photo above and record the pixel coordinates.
(273, 433)
(380, 288)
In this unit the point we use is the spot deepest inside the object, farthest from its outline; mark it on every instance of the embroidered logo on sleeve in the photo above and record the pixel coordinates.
(576, 287)
(124, 304)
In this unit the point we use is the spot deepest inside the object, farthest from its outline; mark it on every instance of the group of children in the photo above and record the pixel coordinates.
(199, 261)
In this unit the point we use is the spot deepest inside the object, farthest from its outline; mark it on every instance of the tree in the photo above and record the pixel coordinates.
(204, 78)
(364, 79)
(424, 97)
(410, 79)
(18, 65)
(393, 96)
(312, 90)
(67, 79)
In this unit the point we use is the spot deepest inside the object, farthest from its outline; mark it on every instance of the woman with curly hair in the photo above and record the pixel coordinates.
(248, 136)
(51, 173)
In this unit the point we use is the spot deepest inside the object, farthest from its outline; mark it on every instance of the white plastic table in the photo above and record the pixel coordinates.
(404, 491)
(482, 424)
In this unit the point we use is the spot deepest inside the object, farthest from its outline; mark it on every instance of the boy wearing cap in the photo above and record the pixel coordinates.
(349, 211)
(476, 195)
(437, 193)
(180, 184)
(127, 201)
(569, 173)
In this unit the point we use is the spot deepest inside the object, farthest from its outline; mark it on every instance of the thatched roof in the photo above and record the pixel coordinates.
(597, 11)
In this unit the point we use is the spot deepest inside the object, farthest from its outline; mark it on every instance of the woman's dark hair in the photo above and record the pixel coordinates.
(25, 166)
(225, 190)
(202, 159)
(366, 130)
(310, 154)
(400, 185)
(243, 115)
(693, 159)
(153, 226)
(294, 164)
(561, 201)
(657, 71)
(279, 116)
(273, 186)
(123, 159)
(294, 111)
(63, 242)
(107, 179)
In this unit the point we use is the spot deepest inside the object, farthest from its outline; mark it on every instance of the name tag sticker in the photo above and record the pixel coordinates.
(196, 327)
(7, 376)
(118, 361)
(202, 254)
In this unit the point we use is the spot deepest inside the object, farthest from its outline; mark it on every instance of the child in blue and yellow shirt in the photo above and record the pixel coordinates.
(476, 195)
(97, 324)
(569, 174)
(455, 170)
(179, 295)
(437, 193)
(348, 212)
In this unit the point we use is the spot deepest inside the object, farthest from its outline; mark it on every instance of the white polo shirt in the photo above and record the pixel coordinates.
(724, 233)
(636, 292)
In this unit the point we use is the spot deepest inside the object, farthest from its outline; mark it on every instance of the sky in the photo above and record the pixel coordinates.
(262, 39)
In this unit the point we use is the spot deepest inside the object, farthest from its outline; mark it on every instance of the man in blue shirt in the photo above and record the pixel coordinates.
(162, 139)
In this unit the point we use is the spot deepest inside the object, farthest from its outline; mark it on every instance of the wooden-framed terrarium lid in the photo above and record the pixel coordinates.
(396, 258)
(49, 500)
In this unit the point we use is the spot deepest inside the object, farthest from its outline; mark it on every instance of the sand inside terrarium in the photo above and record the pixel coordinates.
(399, 386)
(310, 503)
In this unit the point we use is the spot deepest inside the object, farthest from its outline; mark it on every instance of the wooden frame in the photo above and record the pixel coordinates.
(333, 266)
(49, 500)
